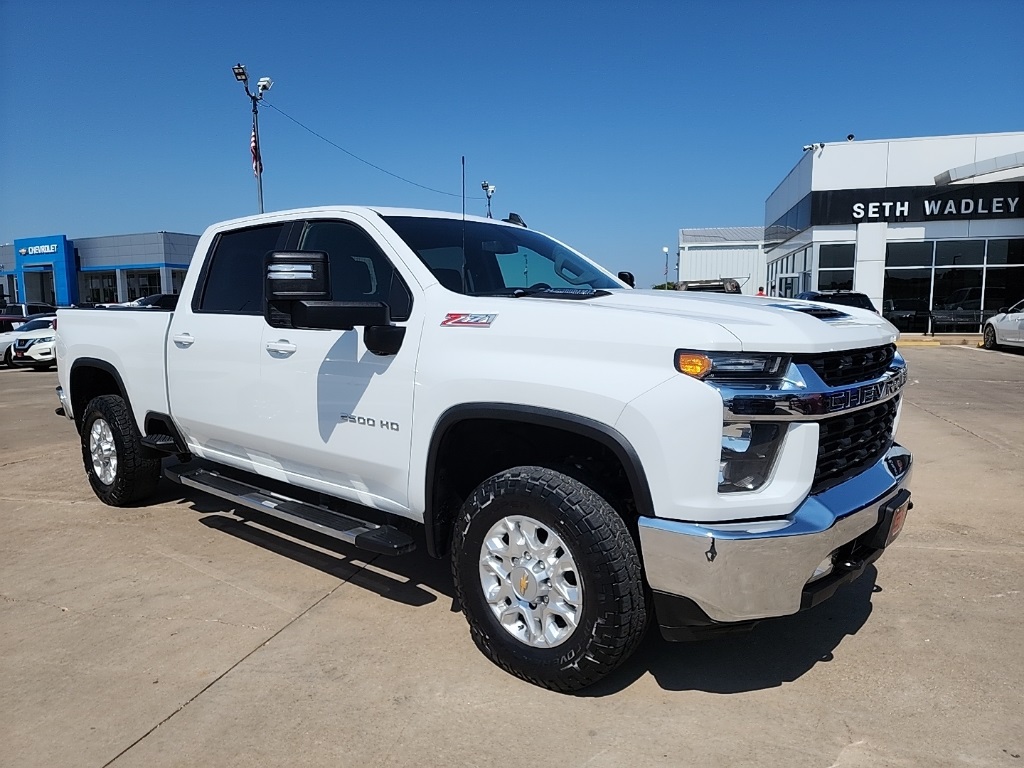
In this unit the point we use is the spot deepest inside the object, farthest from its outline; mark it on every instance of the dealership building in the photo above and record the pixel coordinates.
(60, 271)
(717, 253)
(931, 229)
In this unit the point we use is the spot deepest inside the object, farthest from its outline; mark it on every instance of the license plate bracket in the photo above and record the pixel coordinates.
(891, 517)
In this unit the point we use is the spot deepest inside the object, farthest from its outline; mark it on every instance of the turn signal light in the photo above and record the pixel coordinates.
(693, 364)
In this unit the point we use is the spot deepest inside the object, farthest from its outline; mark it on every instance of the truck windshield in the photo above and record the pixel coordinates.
(478, 259)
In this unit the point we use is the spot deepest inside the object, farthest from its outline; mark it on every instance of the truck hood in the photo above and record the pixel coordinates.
(759, 324)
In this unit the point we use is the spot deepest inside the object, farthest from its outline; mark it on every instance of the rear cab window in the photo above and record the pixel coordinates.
(233, 275)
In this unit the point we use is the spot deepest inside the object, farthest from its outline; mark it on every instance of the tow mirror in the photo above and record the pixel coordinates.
(628, 279)
(297, 275)
(339, 315)
(379, 336)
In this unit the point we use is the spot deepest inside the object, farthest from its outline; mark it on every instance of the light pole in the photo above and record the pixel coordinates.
(262, 86)
(489, 191)
(665, 251)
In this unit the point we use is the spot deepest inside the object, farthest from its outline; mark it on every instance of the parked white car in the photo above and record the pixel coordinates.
(47, 322)
(35, 349)
(1005, 328)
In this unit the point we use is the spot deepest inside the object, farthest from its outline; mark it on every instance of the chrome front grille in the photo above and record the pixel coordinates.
(850, 366)
(852, 442)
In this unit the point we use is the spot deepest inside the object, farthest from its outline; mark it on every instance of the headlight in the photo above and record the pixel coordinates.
(44, 339)
(748, 455)
(731, 366)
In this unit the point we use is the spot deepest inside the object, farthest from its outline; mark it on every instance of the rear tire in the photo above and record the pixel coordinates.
(120, 469)
(989, 338)
(549, 578)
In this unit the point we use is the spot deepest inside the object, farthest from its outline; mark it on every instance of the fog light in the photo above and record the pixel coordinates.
(748, 455)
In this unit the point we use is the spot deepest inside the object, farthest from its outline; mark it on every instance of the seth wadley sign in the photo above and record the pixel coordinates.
(937, 208)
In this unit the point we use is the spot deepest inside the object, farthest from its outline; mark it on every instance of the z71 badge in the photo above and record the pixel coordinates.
(466, 320)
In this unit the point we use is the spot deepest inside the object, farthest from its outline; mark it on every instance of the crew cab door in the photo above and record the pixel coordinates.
(214, 349)
(341, 416)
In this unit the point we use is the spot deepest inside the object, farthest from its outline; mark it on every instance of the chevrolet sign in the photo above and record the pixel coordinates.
(34, 250)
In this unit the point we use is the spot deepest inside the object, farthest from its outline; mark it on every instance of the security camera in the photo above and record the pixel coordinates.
(264, 84)
(849, 137)
(808, 147)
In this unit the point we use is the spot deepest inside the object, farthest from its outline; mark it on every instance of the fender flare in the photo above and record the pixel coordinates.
(597, 431)
(106, 367)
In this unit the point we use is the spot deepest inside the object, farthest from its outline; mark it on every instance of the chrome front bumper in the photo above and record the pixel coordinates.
(746, 571)
(65, 404)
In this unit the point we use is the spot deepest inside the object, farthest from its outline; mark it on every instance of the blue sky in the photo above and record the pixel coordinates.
(609, 125)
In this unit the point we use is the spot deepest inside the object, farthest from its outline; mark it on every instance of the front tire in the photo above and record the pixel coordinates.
(120, 469)
(989, 338)
(549, 578)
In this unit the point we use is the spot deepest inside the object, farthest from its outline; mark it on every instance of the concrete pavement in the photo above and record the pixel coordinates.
(177, 634)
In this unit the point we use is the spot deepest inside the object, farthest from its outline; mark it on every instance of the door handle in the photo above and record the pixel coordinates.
(282, 345)
(184, 339)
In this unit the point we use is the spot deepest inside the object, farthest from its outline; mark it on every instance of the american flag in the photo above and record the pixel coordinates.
(257, 161)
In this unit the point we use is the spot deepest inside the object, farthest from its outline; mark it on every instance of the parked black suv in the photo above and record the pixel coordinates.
(845, 298)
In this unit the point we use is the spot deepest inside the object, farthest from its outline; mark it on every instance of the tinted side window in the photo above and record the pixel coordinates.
(234, 279)
(359, 270)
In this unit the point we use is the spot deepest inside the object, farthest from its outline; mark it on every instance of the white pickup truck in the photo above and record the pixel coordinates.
(590, 457)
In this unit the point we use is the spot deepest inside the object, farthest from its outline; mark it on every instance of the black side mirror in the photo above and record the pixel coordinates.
(1003, 310)
(628, 279)
(384, 339)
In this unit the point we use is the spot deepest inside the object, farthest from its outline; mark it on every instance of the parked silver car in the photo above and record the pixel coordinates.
(1005, 328)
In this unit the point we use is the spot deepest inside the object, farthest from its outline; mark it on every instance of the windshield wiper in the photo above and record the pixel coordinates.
(560, 293)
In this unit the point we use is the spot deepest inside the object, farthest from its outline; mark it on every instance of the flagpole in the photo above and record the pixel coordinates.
(257, 154)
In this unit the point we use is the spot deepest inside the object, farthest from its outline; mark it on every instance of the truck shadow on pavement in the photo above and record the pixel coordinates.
(414, 579)
(775, 652)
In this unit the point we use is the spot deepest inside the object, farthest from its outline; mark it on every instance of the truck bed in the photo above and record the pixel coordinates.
(131, 340)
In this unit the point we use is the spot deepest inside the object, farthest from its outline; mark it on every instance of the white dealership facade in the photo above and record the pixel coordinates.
(931, 229)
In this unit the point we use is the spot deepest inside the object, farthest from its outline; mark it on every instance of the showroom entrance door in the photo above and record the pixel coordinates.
(39, 286)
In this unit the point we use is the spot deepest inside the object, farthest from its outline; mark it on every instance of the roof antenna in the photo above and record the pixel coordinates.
(463, 207)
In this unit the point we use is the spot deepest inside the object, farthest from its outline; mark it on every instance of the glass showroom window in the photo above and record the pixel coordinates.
(144, 282)
(1004, 277)
(956, 293)
(907, 290)
(177, 280)
(909, 254)
(98, 287)
(956, 300)
(942, 286)
(835, 266)
(905, 298)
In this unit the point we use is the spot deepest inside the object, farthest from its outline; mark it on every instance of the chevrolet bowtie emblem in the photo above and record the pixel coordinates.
(524, 582)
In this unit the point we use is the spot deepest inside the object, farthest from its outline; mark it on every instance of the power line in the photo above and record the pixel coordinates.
(361, 160)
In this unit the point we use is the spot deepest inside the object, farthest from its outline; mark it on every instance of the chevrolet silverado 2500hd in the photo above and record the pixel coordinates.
(589, 457)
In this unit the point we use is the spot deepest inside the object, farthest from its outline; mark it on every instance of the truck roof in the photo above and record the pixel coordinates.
(364, 210)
